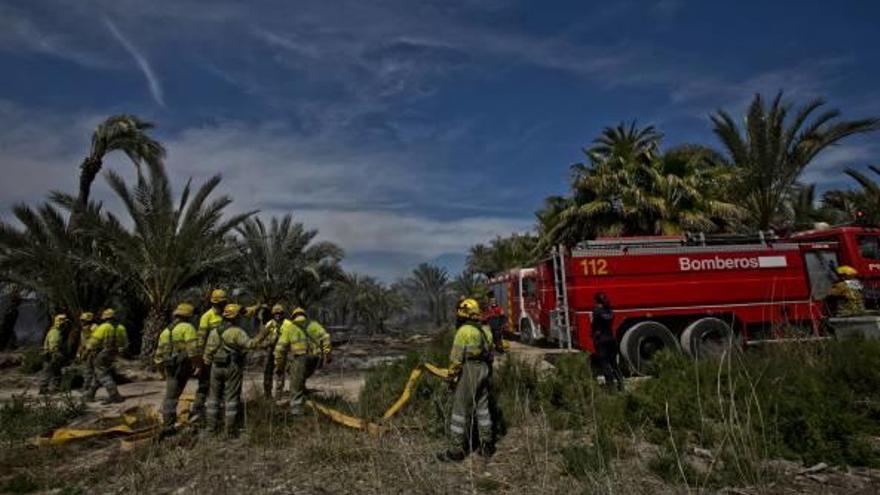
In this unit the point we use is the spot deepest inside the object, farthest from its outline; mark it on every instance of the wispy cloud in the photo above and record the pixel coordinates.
(142, 62)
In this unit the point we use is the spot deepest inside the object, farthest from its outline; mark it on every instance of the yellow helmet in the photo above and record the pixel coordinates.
(846, 271)
(184, 310)
(108, 313)
(469, 308)
(218, 296)
(277, 309)
(59, 319)
(87, 317)
(231, 311)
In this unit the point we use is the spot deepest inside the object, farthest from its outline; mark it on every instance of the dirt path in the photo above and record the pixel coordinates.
(345, 379)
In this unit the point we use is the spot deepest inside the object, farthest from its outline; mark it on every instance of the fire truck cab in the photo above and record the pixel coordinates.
(858, 247)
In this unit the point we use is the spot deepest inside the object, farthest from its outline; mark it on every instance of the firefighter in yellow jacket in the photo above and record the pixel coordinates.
(53, 358)
(87, 326)
(106, 342)
(211, 320)
(175, 357)
(470, 363)
(847, 292)
(292, 351)
(271, 373)
(225, 354)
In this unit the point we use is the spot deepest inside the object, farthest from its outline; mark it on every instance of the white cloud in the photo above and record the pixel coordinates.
(140, 60)
(367, 201)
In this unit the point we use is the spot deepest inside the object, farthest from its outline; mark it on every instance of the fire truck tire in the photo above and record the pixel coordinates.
(640, 342)
(707, 337)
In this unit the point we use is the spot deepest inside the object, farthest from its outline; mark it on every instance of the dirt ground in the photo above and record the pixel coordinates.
(314, 456)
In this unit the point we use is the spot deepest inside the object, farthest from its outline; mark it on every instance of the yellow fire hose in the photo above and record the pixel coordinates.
(363, 424)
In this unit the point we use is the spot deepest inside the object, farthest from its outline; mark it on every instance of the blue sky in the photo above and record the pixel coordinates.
(406, 131)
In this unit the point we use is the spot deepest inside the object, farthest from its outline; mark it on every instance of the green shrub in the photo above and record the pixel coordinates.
(20, 420)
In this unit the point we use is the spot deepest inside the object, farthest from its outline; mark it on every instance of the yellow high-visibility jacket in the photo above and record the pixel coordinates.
(84, 337)
(292, 340)
(179, 340)
(850, 291)
(230, 341)
(108, 337)
(273, 332)
(471, 342)
(318, 338)
(210, 320)
(52, 342)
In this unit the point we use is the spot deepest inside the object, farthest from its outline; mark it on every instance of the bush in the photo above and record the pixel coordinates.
(805, 402)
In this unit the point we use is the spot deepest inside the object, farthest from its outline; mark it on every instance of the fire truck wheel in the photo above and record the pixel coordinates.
(642, 341)
(707, 337)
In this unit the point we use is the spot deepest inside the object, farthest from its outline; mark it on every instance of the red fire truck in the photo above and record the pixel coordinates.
(695, 293)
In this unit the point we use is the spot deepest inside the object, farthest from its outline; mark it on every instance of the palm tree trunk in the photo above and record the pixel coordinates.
(153, 325)
(7, 323)
(88, 172)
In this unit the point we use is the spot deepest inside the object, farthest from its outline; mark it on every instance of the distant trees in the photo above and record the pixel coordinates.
(283, 263)
(501, 254)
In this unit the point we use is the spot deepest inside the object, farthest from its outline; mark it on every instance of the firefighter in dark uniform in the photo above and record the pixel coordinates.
(604, 342)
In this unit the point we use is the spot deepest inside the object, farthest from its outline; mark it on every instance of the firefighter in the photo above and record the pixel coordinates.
(53, 357)
(273, 373)
(105, 343)
(319, 339)
(604, 342)
(317, 347)
(87, 326)
(176, 354)
(494, 317)
(211, 320)
(292, 349)
(470, 362)
(225, 353)
(848, 292)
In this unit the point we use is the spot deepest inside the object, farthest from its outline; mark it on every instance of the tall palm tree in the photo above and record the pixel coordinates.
(774, 147)
(282, 263)
(172, 245)
(125, 133)
(429, 286)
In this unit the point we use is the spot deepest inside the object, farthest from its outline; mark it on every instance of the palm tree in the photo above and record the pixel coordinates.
(631, 188)
(171, 246)
(772, 150)
(429, 286)
(282, 263)
(45, 256)
(502, 253)
(125, 133)
(861, 206)
(625, 144)
(469, 284)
